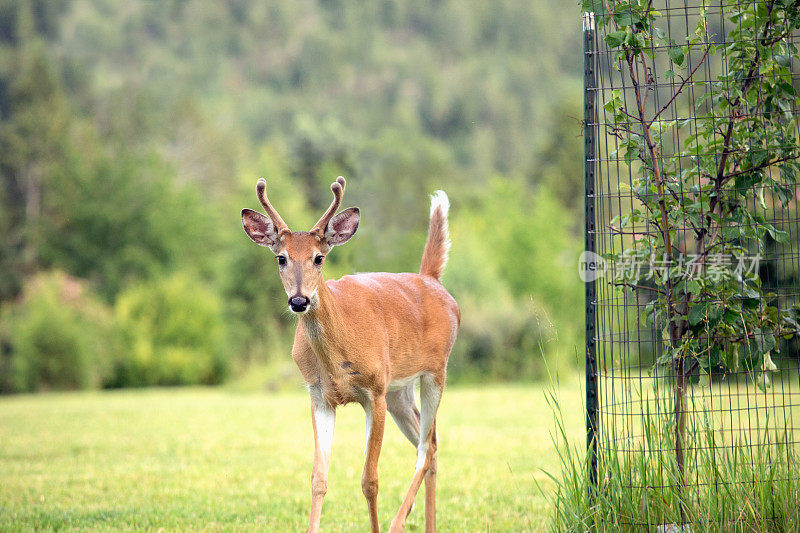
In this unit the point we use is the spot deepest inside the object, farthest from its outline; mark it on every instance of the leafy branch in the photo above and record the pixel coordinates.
(743, 143)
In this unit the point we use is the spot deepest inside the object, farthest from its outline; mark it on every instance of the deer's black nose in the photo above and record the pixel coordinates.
(298, 303)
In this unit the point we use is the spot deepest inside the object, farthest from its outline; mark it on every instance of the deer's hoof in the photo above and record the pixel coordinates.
(396, 527)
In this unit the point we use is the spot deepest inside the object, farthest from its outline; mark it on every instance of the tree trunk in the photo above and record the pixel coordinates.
(33, 195)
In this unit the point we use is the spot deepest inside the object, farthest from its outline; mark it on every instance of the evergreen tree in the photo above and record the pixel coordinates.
(33, 133)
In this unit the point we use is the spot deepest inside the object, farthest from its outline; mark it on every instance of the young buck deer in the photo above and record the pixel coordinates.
(366, 338)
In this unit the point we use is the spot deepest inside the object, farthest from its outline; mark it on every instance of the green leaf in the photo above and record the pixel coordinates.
(765, 341)
(627, 18)
(747, 179)
(751, 303)
(749, 292)
(667, 357)
(777, 234)
(730, 232)
(676, 54)
(698, 313)
(616, 38)
(705, 379)
(769, 365)
(730, 317)
(763, 382)
(629, 38)
(692, 286)
(631, 154)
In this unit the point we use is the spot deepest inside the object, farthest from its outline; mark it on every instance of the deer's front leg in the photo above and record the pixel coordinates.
(376, 416)
(323, 417)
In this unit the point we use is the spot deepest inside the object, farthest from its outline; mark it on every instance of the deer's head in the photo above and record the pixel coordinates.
(301, 254)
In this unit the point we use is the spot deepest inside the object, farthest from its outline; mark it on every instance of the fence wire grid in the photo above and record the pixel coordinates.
(748, 412)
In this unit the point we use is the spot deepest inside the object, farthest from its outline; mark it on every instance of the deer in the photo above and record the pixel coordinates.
(366, 338)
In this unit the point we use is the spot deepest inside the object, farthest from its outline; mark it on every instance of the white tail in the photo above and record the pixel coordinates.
(366, 338)
(437, 249)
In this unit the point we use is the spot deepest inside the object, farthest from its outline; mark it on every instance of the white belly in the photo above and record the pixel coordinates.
(401, 383)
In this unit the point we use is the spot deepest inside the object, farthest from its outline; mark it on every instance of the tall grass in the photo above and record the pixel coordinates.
(746, 483)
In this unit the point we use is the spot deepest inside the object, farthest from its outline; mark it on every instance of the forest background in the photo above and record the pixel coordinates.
(133, 133)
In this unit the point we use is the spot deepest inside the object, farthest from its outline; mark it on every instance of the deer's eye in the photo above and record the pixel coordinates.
(281, 260)
(318, 259)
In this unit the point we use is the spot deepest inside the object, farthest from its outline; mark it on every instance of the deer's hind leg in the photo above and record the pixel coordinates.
(430, 396)
(400, 404)
(430, 487)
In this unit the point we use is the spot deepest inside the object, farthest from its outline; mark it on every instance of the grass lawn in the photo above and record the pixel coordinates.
(218, 459)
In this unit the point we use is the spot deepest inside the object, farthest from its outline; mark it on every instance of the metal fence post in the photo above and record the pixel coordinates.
(589, 121)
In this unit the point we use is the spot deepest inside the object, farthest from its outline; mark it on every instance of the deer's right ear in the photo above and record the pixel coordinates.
(259, 228)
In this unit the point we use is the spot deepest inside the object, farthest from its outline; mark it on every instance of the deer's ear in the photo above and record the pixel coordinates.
(342, 226)
(259, 228)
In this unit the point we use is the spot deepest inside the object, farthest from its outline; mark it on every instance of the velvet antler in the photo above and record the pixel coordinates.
(261, 191)
(337, 187)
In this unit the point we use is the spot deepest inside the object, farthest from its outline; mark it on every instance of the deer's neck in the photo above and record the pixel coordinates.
(322, 323)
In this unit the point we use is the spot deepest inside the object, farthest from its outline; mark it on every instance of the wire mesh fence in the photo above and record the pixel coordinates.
(693, 390)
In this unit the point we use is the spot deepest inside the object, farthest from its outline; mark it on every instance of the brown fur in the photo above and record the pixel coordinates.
(387, 326)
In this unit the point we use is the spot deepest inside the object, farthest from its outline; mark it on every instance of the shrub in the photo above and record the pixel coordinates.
(58, 334)
(174, 334)
(500, 339)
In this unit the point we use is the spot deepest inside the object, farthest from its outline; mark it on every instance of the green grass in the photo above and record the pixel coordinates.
(218, 459)
(741, 463)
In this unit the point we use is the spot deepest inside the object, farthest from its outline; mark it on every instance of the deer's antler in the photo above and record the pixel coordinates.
(261, 191)
(337, 187)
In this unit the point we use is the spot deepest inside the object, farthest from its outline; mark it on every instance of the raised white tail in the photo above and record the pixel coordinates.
(437, 248)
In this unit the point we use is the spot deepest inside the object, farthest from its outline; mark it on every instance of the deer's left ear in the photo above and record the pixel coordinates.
(342, 226)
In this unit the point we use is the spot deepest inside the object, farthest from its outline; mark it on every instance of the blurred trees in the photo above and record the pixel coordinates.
(33, 131)
(132, 134)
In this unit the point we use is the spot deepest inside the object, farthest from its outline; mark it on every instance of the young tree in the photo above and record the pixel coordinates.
(696, 179)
